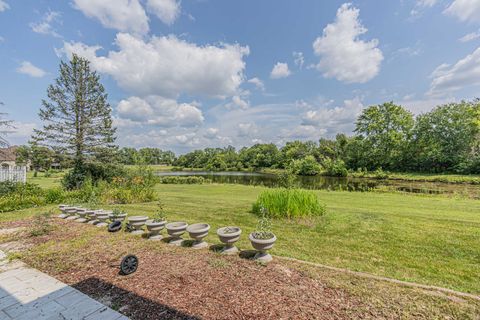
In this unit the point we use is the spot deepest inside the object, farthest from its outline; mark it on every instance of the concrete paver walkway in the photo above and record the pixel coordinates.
(27, 293)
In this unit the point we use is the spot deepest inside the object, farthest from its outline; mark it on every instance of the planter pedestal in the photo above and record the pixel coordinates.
(263, 256)
(72, 213)
(175, 231)
(62, 208)
(102, 217)
(82, 213)
(137, 223)
(198, 232)
(154, 228)
(228, 236)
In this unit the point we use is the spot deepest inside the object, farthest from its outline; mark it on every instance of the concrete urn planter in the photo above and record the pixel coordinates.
(90, 216)
(102, 217)
(228, 236)
(154, 228)
(137, 223)
(72, 213)
(62, 208)
(198, 232)
(262, 246)
(82, 213)
(175, 230)
(119, 217)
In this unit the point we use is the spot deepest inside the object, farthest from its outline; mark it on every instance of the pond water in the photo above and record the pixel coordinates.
(331, 183)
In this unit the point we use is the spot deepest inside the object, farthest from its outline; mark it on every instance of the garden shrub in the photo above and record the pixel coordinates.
(76, 177)
(288, 203)
(335, 168)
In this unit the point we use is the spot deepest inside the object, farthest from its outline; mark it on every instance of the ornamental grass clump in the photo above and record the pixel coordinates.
(288, 203)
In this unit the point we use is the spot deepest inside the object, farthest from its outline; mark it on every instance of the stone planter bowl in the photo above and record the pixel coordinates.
(93, 216)
(137, 223)
(262, 246)
(82, 213)
(102, 217)
(120, 217)
(72, 213)
(198, 232)
(90, 215)
(155, 227)
(62, 208)
(175, 231)
(228, 236)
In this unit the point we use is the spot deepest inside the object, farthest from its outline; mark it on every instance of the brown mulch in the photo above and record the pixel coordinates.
(182, 283)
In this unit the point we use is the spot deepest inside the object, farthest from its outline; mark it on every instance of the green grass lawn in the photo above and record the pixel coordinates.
(426, 239)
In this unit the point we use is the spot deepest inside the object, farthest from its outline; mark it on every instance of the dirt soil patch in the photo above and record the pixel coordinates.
(181, 283)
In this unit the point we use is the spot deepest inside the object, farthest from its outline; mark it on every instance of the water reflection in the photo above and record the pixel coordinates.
(331, 183)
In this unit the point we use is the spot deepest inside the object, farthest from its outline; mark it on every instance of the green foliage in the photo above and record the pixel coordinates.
(380, 174)
(183, 180)
(160, 214)
(307, 166)
(263, 231)
(385, 131)
(76, 116)
(335, 168)
(94, 172)
(41, 224)
(288, 203)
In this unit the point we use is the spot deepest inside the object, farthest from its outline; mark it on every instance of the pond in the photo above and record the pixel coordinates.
(331, 183)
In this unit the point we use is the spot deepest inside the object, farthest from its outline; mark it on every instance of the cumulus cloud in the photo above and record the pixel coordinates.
(334, 120)
(448, 78)
(26, 67)
(280, 70)
(258, 83)
(464, 10)
(211, 133)
(3, 6)
(45, 26)
(159, 111)
(169, 66)
(166, 10)
(343, 55)
(470, 36)
(122, 15)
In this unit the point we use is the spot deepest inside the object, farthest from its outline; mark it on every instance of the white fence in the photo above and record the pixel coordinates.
(16, 174)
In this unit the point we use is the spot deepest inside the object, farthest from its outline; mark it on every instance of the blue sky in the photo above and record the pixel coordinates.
(199, 73)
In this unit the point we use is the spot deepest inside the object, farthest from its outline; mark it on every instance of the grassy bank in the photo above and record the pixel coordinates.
(425, 239)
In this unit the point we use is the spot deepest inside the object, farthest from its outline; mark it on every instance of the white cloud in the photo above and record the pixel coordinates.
(211, 133)
(464, 10)
(239, 102)
(166, 10)
(28, 68)
(169, 66)
(247, 129)
(448, 78)
(280, 70)
(45, 25)
(343, 55)
(420, 5)
(258, 83)
(470, 36)
(122, 15)
(159, 111)
(334, 120)
(3, 6)
(298, 59)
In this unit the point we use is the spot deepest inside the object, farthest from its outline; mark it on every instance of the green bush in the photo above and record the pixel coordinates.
(288, 203)
(183, 180)
(307, 166)
(76, 177)
(380, 174)
(335, 168)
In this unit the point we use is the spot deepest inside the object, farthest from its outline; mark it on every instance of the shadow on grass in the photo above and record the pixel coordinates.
(130, 304)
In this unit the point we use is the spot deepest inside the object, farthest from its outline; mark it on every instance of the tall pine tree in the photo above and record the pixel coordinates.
(77, 117)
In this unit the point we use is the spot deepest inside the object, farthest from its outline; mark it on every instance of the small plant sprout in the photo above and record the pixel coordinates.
(160, 214)
(264, 227)
(116, 213)
(228, 230)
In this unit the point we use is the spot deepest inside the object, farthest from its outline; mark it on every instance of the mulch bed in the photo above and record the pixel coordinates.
(182, 283)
